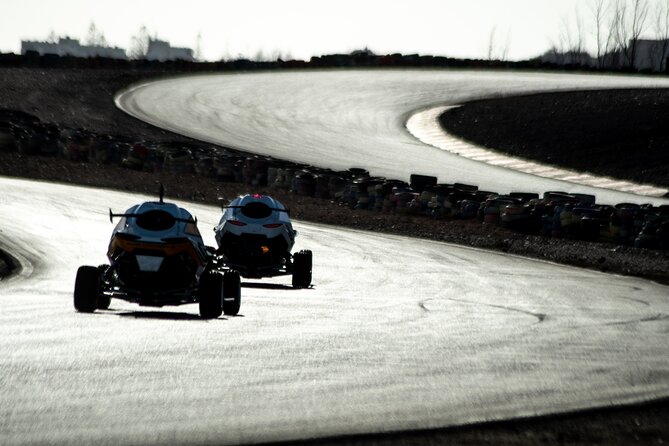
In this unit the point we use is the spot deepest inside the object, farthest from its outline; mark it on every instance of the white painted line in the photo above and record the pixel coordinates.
(425, 126)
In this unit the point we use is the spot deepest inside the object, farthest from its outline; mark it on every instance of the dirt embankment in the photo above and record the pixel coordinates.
(617, 133)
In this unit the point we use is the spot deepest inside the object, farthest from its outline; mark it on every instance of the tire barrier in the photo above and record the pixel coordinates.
(519, 217)
(224, 167)
(495, 210)
(555, 214)
(76, 145)
(177, 161)
(465, 187)
(524, 196)
(420, 182)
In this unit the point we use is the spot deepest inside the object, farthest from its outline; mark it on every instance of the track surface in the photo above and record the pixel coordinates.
(341, 119)
(396, 334)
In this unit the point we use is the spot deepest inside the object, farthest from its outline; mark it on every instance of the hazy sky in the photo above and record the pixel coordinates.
(300, 28)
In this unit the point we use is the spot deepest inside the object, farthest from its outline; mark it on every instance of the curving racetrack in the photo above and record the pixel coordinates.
(342, 119)
(396, 334)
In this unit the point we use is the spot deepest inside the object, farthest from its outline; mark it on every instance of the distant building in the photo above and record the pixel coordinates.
(161, 51)
(651, 54)
(71, 47)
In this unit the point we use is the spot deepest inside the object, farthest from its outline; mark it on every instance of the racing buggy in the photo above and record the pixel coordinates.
(255, 237)
(157, 257)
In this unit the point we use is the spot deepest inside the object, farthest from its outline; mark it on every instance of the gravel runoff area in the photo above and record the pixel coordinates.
(83, 99)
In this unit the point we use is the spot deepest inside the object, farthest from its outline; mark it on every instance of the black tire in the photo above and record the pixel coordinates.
(210, 295)
(302, 262)
(86, 289)
(232, 293)
(104, 302)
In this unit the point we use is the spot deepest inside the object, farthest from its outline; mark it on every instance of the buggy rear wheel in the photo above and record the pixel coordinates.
(232, 293)
(86, 289)
(210, 295)
(302, 262)
(103, 302)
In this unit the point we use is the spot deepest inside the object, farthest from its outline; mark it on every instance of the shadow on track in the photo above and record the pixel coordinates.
(164, 315)
(266, 286)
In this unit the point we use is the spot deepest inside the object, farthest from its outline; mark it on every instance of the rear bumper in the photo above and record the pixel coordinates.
(254, 252)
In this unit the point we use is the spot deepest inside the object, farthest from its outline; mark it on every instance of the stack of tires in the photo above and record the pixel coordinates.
(178, 162)
(304, 183)
(204, 167)
(336, 186)
(421, 182)
(224, 166)
(77, 145)
(136, 157)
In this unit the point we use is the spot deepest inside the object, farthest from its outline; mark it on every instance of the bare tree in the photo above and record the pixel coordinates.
(139, 46)
(198, 48)
(612, 57)
(629, 24)
(621, 31)
(259, 56)
(95, 37)
(603, 36)
(495, 50)
(275, 55)
(559, 47)
(504, 52)
(52, 38)
(638, 25)
(661, 51)
(572, 40)
(555, 55)
(578, 46)
(491, 43)
(225, 55)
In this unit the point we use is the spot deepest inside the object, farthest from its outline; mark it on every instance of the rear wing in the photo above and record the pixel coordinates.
(182, 220)
(287, 211)
(161, 196)
(224, 207)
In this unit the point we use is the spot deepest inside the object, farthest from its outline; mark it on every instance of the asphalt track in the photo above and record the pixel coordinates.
(356, 118)
(396, 334)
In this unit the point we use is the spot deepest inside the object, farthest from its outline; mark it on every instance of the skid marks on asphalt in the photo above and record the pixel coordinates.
(541, 317)
(656, 318)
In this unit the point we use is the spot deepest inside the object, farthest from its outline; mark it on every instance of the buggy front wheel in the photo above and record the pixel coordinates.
(232, 293)
(302, 263)
(210, 294)
(86, 289)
